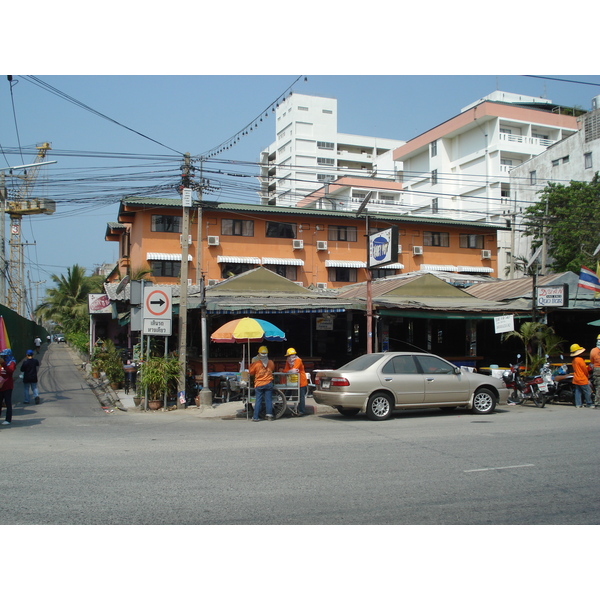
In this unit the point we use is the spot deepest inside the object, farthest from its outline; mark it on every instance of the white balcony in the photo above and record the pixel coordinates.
(524, 139)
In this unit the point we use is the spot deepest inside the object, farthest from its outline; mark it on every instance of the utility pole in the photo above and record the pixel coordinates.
(186, 196)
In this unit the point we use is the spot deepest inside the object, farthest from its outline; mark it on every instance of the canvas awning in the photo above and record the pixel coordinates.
(437, 268)
(161, 256)
(391, 266)
(348, 264)
(474, 269)
(282, 261)
(250, 260)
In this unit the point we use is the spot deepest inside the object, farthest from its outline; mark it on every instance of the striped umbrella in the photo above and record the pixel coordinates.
(247, 330)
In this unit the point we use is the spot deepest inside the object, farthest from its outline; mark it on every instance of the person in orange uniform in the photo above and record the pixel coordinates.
(262, 369)
(580, 377)
(595, 364)
(295, 366)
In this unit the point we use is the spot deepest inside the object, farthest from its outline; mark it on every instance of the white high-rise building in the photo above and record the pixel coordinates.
(309, 151)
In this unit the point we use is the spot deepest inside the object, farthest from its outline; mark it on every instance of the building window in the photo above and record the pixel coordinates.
(341, 233)
(166, 223)
(325, 145)
(165, 268)
(532, 177)
(325, 178)
(587, 157)
(435, 206)
(326, 161)
(280, 230)
(471, 240)
(436, 238)
(287, 271)
(556, 162)
(342, 274)
(327, 112)
(303, 108)
(433, 147)
(237, 227)
(434, 178)
(231, 269)
(383, 273)
(565, 159)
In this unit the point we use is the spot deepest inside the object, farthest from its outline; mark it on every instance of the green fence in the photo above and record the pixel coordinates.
(21, 332)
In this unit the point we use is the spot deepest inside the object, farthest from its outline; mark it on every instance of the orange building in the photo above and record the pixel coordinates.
(319, 248)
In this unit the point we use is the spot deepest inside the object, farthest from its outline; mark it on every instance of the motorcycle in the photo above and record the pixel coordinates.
(523, 387)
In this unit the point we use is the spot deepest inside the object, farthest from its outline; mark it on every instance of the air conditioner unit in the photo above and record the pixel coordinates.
(299, 283)
(297, 244)
(321, 246)
(321, 286)
(213, 240)
(486, 254)
(417, 250)
(213, 281)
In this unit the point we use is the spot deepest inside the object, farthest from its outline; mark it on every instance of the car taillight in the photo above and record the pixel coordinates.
(339, 381)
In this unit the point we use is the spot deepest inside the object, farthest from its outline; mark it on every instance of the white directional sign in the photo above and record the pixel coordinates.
(157, 310)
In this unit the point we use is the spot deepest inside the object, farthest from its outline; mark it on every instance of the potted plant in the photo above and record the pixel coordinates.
(156, 374)
(107, 359)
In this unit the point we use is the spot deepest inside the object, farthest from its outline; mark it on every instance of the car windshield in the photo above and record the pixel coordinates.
(361, 363)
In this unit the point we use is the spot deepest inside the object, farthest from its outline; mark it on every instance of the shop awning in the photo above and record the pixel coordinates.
(161, 256)
(282, 261)
(437, 268)
(348, 264)
(474, 269)
(250, 260)
(391, 266)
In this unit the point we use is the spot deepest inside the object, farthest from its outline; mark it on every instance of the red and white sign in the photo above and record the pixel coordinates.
(157, 302)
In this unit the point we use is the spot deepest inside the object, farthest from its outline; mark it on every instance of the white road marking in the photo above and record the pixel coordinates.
(498, 468)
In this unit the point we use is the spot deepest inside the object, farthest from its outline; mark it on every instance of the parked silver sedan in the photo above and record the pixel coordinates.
(380, 383)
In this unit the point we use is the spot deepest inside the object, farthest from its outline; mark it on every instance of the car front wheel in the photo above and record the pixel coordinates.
(484, 402)
(380, 406)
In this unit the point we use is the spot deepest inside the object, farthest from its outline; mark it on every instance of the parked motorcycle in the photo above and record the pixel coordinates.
(523, 388)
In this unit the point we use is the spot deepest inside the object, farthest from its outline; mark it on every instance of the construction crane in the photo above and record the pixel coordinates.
(19, 204)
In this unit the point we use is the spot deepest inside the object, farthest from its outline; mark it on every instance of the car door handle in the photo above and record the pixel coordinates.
(388, 379)
(431, 379)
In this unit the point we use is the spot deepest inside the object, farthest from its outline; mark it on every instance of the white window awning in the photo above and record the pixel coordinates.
(348, 264)
(282, 261)
(391, 266)
(162, 256)
(437, 268)
(249, 260)
(474, 269)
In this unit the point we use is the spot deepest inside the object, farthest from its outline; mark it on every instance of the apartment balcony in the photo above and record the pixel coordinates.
(525, 140)
(346, 155)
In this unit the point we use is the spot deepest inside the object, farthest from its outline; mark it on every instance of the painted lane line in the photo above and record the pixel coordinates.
(498, 468)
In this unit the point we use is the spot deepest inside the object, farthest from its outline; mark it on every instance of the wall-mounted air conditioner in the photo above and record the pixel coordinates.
(213, 281)
(213, 240)
(321, 286)
(297, 244)
(321, 246)
(486, 254)
(417, 250)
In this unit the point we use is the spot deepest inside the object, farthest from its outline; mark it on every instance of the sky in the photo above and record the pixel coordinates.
(121, 104)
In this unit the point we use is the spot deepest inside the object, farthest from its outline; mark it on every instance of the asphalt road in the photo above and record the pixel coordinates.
(66, 461)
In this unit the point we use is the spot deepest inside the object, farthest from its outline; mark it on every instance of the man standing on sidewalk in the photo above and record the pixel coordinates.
(29, 369)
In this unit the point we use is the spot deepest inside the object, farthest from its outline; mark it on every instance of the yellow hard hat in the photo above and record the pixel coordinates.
(263, 350)
(290, 351)
(576, 349)
(598, 338)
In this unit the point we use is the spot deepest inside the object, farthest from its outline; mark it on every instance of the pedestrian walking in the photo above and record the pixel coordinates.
(294, 367)
(29, 368)
(595, 364)
(262, 369)
(7, 368)
(580, 377)
(38, 344)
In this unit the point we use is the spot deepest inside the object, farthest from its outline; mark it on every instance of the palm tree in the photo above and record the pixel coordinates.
(538, 339)
(67, 303)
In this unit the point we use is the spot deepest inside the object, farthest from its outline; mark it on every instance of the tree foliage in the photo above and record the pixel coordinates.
(571, 214)
(67, 303)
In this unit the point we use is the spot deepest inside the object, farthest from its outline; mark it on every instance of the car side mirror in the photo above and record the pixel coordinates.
(457, 370)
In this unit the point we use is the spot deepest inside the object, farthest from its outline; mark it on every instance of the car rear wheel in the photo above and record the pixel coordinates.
(348, 412)
(380, 406)
(484, 402)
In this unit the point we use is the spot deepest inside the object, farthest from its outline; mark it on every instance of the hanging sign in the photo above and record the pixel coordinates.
(504, 323)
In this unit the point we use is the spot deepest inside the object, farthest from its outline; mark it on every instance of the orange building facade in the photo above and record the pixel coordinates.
(321, 248)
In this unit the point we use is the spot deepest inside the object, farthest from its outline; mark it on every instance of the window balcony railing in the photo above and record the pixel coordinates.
(524, 139)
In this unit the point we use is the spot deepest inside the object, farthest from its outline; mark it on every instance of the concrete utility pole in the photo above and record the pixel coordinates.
(186, 195)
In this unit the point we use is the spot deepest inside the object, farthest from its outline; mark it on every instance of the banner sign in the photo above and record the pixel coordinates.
(99, 304)
(504, 323)
(383, 247)
(552, 295)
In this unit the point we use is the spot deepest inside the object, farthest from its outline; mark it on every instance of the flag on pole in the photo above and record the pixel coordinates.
(589, 280)
(4, 341)
(597, 294)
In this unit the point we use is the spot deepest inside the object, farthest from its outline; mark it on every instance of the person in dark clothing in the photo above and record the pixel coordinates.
(29, 369)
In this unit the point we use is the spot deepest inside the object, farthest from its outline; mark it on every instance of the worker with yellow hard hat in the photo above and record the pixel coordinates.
(262, 369)
(581, 381)
(595, 364)
(296, 376)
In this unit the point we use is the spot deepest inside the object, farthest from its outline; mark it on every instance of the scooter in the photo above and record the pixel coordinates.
(523, 388)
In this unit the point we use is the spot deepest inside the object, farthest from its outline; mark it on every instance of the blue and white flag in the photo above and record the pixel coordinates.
(589, 280)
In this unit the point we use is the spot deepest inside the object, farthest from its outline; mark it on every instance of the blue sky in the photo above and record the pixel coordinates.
(195, 112)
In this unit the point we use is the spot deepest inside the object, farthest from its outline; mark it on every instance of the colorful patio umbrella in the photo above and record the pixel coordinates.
(4, 341)
(247, 330)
